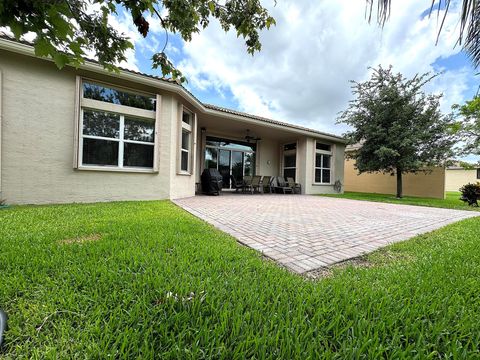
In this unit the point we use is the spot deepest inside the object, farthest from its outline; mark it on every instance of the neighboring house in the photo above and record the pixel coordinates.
(429, 184)
(86, 135)
(457, 176)
(422, 184)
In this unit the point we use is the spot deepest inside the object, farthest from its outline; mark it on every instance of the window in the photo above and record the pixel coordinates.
(117, 128)
(114, 96)
(186, 118)
(186, 143)
(323, 163)
(290, 160)
(211, 155)
(478, 173)
(185, 150)
(324, 147)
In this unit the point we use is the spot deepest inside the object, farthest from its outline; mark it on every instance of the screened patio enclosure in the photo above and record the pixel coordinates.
(231, 158)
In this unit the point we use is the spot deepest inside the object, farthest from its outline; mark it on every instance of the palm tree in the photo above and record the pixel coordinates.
(469, 33)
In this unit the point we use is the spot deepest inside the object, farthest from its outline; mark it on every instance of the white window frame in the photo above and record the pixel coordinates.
(122, 111)
(191, 129)
(315, 167)
(290, 152)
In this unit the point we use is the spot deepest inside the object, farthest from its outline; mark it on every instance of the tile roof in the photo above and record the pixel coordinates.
(267, 120)
(208, 106)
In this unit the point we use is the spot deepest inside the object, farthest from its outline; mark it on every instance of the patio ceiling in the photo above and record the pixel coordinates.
(239, 128)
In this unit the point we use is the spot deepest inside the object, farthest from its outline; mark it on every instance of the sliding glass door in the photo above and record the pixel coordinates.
(230, 157)
(248, 164)
(224, 166)
(237, 165)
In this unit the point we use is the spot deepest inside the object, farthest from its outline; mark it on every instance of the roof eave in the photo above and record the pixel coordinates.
(28, 50)
(24, 49)
(288, 128)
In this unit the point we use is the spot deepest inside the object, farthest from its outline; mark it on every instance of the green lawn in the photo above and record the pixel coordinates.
(142, 279)
(452, 200)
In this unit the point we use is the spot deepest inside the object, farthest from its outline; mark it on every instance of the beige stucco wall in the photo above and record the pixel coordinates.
(181, 185)
(307, 164)
(268, 158)
(431, 184)
(37, 141)
(456, 178)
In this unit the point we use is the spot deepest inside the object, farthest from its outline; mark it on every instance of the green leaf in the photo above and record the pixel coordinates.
(61, 27)
(60, 59)
(76, 48)
(43, 47)
(17, 29)
(211, 6)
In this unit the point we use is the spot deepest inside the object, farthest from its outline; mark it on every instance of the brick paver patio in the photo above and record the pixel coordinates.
(305, 232)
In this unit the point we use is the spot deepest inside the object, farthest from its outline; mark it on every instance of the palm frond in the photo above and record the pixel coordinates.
(472, 40)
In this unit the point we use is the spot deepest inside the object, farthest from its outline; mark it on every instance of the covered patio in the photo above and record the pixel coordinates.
(304, 233)
(242, 146)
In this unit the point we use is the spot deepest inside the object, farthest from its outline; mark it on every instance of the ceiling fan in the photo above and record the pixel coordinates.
(249, 137)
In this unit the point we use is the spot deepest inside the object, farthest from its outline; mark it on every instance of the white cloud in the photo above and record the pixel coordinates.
(124, 25)
(302, 73)
(453, 85)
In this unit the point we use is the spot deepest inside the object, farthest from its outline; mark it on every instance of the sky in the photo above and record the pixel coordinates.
(303, 73)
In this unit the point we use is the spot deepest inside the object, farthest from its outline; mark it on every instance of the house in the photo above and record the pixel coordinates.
(430, 183)
(457, 176)
(86, 135)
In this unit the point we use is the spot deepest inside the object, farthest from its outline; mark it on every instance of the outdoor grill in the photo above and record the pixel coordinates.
(211, 182)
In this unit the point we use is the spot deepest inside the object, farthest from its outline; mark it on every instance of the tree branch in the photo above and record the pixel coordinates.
(164, 27)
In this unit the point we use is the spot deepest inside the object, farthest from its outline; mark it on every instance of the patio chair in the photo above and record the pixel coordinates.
(255, 184)
(295, 186)
(267, 184)
(282, 186)
(247, 181)
(236, 184)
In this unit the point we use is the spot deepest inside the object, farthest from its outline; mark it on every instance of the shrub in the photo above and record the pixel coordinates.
(470, 193)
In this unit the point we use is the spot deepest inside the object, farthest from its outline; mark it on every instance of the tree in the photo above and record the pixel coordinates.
(468, 128)
(66, 29)
(399, 128)
(469, 29)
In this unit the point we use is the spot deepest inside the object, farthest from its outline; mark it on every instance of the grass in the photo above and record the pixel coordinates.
(145, 279)
(451, 201)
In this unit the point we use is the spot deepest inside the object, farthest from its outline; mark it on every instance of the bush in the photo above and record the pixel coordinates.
(470, 194)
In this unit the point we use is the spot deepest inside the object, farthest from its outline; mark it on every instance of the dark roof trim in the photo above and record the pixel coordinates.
(26, 48)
